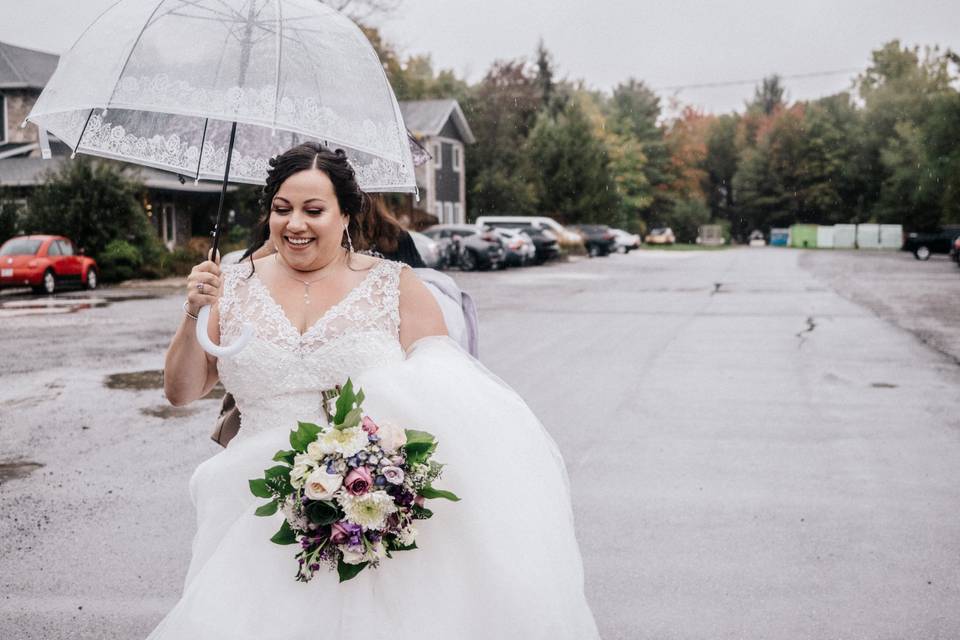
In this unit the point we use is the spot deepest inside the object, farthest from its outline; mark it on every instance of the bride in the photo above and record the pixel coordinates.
(502, 563)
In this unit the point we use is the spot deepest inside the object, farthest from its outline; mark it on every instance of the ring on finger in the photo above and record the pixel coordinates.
(200, 287)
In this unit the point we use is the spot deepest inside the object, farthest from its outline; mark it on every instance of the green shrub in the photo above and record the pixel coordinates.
(120, 260)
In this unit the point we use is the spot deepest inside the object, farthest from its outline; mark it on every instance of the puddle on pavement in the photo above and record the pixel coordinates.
(58, 305)
(136, 380)
(16, 470)
(151, 379)
(165, 411)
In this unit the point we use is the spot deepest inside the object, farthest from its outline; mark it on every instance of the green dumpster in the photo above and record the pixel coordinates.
(803, 236)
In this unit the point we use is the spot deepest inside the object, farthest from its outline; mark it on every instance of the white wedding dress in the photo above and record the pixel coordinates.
(501, 564)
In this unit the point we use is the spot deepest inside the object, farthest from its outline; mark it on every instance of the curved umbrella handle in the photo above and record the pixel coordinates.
(203, 318)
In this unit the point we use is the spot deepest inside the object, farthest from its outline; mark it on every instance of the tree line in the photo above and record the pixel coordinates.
(887, 150)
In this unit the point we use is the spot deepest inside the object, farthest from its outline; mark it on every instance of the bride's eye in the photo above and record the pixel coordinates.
(315, 211)
(281, 210)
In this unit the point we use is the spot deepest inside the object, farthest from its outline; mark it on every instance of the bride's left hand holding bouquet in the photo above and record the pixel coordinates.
(351, 491)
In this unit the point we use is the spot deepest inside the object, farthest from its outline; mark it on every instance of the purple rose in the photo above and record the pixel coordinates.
(343, 531)
(358, 481)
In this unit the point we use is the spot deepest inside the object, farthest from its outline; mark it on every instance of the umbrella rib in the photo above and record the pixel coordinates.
(276, 95)
(203, 140)
(82, 131)
(130, 53)
(95, 21)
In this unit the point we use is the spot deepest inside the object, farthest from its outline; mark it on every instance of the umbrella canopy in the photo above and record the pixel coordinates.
(161, 82)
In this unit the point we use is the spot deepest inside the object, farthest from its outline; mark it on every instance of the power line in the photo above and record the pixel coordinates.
(735, 83)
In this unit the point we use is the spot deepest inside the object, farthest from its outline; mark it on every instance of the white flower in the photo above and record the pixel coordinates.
(296, 521)
(394, 475)
(353, 555)
(392, 437)
(407, 536)
(315, 451)
(369, 510)
(347, 442)
(322, 485)
(301, 468)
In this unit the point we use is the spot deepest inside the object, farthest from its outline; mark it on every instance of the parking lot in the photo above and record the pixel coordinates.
(757, 447)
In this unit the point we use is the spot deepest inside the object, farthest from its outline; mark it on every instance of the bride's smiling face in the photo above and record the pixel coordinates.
(306, 224)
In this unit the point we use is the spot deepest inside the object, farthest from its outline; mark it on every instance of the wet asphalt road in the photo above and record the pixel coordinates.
(752, 453)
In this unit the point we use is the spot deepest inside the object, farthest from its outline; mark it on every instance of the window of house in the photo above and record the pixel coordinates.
(3, 119)
(448, 211)
(438, 211)
(457, 160)
(437, 155)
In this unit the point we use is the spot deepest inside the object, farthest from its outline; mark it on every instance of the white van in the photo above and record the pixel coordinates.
(537, 222)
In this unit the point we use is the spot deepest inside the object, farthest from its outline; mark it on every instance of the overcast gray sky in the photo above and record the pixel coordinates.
(603, 42)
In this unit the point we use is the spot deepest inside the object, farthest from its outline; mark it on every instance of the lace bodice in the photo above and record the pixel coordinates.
(278, 377)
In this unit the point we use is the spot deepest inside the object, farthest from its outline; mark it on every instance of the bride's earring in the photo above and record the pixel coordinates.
(346, 231)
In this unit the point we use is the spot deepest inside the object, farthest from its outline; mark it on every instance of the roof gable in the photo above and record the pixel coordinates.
(428, 117)
(25, 68)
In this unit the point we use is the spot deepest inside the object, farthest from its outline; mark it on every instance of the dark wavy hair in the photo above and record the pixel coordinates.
(312, 155)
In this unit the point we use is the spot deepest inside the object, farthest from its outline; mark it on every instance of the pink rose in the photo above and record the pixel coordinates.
(338, 533)
(358, 481)
(369, 425)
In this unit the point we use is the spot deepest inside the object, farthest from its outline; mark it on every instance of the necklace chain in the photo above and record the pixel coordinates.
(306, 283)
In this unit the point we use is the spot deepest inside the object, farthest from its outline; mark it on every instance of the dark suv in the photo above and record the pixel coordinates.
(925, 244)
(597, 238)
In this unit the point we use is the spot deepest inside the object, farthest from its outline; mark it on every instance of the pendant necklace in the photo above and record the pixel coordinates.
(306, 283)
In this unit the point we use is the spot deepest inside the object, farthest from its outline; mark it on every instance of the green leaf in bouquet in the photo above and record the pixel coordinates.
(278, 471)
(430, 493)
(322, 512)
(348, 571)
(285, 535)
(305, 433)
(259, 488)
(421, 513)
(268, 509)
(285, 456)
(394, 545)
(420, 446)
(353, 419)
(345, 402)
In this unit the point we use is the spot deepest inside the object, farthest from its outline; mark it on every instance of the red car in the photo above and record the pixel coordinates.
(45, 263)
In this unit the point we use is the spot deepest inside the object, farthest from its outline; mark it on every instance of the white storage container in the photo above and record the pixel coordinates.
(824, 237)
(891, 236)
(844, 236)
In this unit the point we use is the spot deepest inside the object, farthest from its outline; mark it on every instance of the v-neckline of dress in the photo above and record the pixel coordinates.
(348, 297)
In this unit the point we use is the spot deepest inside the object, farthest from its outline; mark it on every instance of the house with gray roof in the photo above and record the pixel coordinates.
(441, 128)
(176, 209)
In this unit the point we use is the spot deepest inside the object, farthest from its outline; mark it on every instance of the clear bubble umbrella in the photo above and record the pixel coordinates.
(212, 89)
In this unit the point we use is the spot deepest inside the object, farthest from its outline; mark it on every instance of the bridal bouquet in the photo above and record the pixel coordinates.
(350, 492)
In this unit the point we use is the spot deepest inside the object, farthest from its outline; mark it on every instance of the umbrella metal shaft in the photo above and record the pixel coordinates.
(223, 192)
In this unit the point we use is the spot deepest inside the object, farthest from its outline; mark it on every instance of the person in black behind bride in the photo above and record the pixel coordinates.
(502, 563)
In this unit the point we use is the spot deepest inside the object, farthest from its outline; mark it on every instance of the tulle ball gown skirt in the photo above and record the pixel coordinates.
(501, 564)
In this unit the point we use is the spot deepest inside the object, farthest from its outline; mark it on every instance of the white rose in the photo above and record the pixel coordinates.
(322, 485)
(297, 474)
(316, 451)
(392, 437)
(352, 555)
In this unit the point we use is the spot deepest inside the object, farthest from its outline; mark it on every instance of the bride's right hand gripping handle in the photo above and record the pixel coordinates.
(203, 289)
